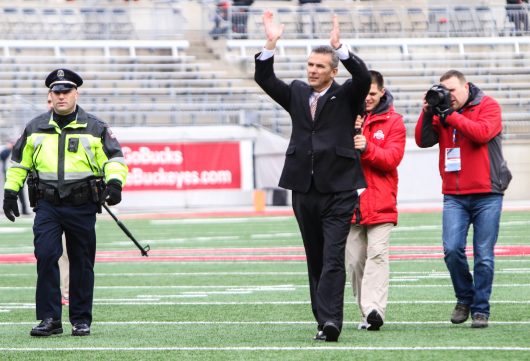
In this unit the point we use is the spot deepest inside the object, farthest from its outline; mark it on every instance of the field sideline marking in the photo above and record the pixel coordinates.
(128, 323)
(395, 275)
(272, 348)
(259, 254)
(303, 263)
(159, 222)
(250, 286)
(156, 302)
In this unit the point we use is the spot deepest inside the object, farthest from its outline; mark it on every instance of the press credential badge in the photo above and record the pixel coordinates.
(452, 159)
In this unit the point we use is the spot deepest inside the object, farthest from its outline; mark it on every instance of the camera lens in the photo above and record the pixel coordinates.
(435, 96)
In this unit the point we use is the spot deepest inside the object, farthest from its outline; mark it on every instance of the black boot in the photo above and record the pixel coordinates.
(47, 327)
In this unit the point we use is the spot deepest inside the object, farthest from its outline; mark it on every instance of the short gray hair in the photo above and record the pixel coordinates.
(326, 49)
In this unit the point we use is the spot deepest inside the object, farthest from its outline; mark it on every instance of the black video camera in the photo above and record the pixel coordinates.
(437, 95)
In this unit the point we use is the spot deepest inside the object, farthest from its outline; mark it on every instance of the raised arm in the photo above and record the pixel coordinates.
(334, 37)
(264, 72)
(361, 78)
(273, 31)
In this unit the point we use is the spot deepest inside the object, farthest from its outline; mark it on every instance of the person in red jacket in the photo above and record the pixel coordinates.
(382, 144)
(466, 124)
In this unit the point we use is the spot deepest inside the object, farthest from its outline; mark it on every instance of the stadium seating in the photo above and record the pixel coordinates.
(419, 23)
(130, 83)
(362, 20)
(137, 82)
(391, 22)
(486, 21)
(500, 66)
(107, 20)
(79, 21)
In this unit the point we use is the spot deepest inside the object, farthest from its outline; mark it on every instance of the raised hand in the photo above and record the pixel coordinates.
(272, 31)
(335, 33)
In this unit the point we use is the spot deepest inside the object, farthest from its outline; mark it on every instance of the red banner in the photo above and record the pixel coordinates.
(182, 166)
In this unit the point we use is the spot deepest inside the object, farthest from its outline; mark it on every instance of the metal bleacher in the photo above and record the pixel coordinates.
(500, 66)
(89, 20)
(393, 19)
(127, 83)
(412, 45)
(139, 78)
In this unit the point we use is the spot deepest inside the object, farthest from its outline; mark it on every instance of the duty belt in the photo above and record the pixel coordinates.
(79, 195)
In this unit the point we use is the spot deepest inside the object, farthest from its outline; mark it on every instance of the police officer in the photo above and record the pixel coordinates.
(67, 153)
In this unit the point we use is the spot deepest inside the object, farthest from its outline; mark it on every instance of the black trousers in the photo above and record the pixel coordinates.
(78, 224)
(324, 220)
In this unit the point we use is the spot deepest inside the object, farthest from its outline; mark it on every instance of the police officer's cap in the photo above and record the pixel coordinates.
(63, 79)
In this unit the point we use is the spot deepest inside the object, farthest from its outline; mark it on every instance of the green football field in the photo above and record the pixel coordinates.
(235, 288)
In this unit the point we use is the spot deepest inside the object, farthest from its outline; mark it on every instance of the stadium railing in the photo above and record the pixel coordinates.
(91, 21)
(412, 65)
(365, 20)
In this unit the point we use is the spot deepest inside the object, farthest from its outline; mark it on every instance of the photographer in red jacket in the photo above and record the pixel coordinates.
(382, 143)
(467, 126)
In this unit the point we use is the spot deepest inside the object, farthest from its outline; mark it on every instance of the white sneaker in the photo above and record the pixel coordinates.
(363, 326)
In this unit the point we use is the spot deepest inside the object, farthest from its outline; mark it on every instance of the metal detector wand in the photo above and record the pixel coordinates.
(145, 249)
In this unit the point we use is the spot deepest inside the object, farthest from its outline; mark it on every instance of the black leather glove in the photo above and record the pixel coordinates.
(112, 193)
(444, 108)
(11, 205)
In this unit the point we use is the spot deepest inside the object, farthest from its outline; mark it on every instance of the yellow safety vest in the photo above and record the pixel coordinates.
(84, 149)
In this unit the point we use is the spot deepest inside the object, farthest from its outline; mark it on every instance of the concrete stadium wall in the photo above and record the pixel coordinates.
(419, 177)
(268, 151)
(418, 172)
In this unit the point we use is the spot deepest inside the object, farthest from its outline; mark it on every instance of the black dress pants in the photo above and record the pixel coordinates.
(78, 225)
(324, 220)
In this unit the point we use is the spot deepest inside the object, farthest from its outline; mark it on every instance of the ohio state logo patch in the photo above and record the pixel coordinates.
(379, 135)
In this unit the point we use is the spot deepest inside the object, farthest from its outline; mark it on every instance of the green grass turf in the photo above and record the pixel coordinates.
(244, 310)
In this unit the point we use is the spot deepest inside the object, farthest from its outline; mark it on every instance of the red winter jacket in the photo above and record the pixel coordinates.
(385, 144)
(476, 130)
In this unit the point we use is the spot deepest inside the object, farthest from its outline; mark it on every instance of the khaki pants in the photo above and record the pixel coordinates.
(367, 265)
(64, 270)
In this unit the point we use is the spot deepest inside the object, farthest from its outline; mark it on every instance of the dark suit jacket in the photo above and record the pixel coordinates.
(324, 148)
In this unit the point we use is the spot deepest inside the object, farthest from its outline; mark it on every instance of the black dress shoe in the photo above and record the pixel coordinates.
(331, 332)
(374, 321)
(80, 329)
(47, 327)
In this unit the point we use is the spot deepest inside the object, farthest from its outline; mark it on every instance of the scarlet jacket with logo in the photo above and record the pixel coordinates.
(385, 135)
(476, 130)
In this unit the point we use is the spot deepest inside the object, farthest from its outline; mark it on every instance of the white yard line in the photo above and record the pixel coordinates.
(218, 220)
(271, 348)
(204, 274)
(303, 286)
(156, 302)
(410, 274)
(268, 235)
(8, 230)
(176, 323)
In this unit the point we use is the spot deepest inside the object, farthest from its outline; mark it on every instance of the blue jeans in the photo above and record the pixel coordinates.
(459, 212)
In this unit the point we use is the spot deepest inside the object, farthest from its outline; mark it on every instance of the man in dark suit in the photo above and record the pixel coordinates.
(322, 168)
